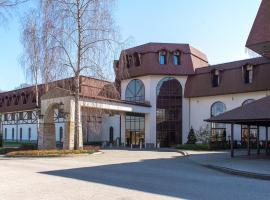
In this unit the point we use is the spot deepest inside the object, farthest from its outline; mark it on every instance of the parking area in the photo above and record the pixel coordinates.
(121, 175)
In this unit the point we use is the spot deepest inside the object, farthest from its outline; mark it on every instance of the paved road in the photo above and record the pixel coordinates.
(122, 175)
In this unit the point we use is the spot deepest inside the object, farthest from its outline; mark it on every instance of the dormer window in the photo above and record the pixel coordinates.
(248, 73)
(127, 61)
(176, 58)
(163, 57)
(215, 78)
(137, 59)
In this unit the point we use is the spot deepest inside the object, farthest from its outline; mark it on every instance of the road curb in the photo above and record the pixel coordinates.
(238, 172)
(184, 153)
(230, 171)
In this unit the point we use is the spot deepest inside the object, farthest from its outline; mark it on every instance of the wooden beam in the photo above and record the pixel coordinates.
(258, 140)
(232, 140)
(248, 140)
(266, 140)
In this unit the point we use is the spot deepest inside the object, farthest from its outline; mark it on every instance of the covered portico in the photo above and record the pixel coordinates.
(58, 97)
(256, 113)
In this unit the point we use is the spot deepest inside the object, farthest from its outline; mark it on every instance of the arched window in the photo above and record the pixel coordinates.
(5, 133)
(29, 134)
(61, 134)
(218, 130)
(169, 112)
(252, 129)
(13, 134)
(176, 58)
(21, 134)
(111, 134)
(217, 108)
(135, 91)
(163, 57)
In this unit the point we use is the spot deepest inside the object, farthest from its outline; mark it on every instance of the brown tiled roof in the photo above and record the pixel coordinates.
(231, 79)
(254, 113)
(24, 99)
(191, 59)
(259, 37)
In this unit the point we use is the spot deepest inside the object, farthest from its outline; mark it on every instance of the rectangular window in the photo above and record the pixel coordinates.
(215, 78)
(13, 116)
(20, 115)
(29, 115)
(248, 74)
(5, 117)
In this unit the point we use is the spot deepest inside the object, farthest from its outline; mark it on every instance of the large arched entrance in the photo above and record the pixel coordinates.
(169, 112)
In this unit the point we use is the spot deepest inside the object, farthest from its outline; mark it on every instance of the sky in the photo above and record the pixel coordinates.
(217, 28)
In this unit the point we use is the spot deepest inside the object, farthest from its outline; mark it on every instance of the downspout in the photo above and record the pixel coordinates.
(189, 113)
(120, 142)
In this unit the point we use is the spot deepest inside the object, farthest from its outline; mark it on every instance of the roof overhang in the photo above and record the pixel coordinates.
(259, 36)
(255, 113)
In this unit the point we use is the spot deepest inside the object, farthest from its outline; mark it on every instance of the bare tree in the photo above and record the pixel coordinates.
(87, 35)
(40, 57)
(31, 43)
(7, 5)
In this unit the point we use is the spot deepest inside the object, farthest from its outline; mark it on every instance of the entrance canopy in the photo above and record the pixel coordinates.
(256, 113)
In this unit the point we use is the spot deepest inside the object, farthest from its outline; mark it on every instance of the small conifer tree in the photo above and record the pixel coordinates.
(191, 137)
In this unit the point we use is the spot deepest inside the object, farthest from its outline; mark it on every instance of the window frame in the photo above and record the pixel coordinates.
(177, 56)
(163, 54)
(129, 90)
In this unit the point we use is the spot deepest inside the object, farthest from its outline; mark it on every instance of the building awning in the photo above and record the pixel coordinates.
(256, 113)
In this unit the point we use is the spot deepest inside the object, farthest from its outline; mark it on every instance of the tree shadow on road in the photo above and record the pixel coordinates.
(172, 177)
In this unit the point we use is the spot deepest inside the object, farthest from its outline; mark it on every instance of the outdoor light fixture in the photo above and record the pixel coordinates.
(61, 113)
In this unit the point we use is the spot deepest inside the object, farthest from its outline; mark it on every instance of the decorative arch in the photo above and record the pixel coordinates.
(169, 112)
(135, 91)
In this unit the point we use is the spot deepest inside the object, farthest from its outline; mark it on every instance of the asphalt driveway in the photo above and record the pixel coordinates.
(122, 175)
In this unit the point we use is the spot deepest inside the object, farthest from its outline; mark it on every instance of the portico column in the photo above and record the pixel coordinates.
(248, 140)
(258, 140)
(266, 140)
(232, 140)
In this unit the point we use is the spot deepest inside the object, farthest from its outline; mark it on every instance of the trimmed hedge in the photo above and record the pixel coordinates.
(17, 143)
(4, 151)
(198, 147)
(48, 153)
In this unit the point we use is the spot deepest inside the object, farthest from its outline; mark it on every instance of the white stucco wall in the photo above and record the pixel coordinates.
(150, 83)
(112, 121)
(25, 126)
(200, 109)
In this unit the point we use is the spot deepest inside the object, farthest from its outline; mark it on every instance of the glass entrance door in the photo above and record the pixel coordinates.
(134, 129)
